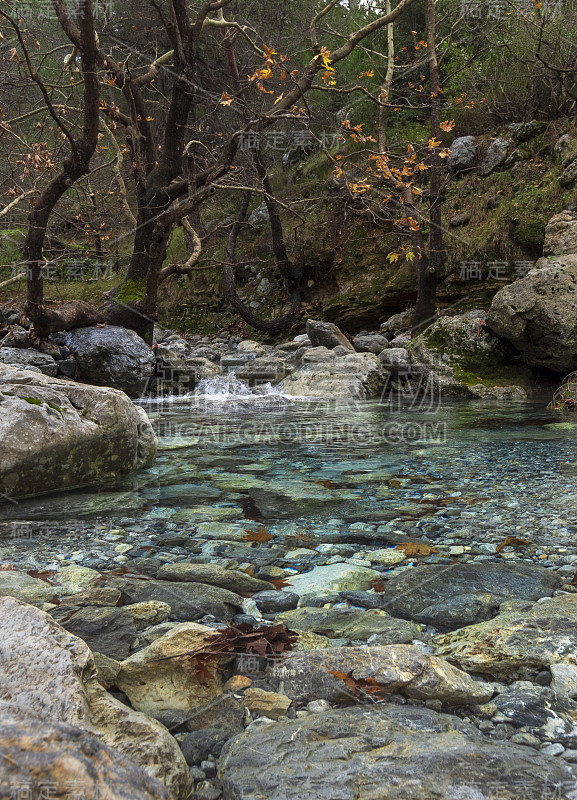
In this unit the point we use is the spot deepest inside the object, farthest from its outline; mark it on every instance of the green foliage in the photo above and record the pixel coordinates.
(131, 291)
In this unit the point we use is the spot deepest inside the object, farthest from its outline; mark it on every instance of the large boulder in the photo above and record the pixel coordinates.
(464, 594)
(457, 357)
(43, 758)
(55, 434)
(561, 234)
(463, 156)
(351, 623)
(495, 157)
(397, 669)
(523, 639)
(538, 314)
(51, 674)
(387, 752)
(358, 376)
(326, 334)
(234, 580)
(112, 356)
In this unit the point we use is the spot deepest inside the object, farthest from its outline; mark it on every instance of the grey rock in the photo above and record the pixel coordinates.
(372, 343)
(40, 753)
(350, 624)
(561, 234)
(340, 380)
(538, 314)
(494, 157)
(403, 669)
(113, 356)
(29, 358)
(271, 602)
(523, 131)
(259, 217)
(110, 631)
(20, 585)
(396, 360)
(463, 155)
(188, 601)
(387, 752)
(569, 176)
(326, 334)
(464, 594)
(459, 220)
(55, 434)
(539, 709)
(232, 579)
(197, 746)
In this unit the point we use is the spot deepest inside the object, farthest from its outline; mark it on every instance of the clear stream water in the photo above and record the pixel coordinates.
(361, 475)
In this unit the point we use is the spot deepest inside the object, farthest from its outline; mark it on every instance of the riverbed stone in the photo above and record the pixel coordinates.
(232, 579)
(40, 755)
(57, 435)
(188, 601)
(112, 356)
(398, 668)
(15, 583)
(387, 752)
(332, 578)
(547, 715)
(273, 601)
(370, 343)
(266, 704)
(351, 623)
(344, 379)
(276, 500)
(110, 631)
(464, 593)
(523, 639)
(50, 673)
(161, 677)
(74, 579)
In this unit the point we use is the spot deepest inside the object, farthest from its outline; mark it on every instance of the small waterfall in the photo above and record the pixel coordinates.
(222, 387)
(227, 392)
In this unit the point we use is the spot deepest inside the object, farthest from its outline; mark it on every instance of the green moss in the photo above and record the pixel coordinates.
(34, 401)
(131, 291)
(530, 232)
(491, 371)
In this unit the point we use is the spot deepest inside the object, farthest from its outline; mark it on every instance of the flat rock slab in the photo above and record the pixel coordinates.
(520, 641)
(401, 669)
(351, 624)
(232, 579)
(64, 762)
(188, 601)
(387, 752)
(110, 631)
(464, 594)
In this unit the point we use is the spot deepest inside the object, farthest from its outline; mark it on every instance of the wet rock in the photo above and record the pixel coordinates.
(199, 745)
(463, 155)
(74, 579)
(187, 601)
(263, 370)
(539, 709)
(266, 704)
(522, 640)
(333, 578)
(110, 631)
(398, 668)
(160, 677)
(147, 613)
(107, 668)
(494, 158)
(55, 434)
(385, 752)
(564, 678)
(347, 378)
(326, 334)
(20, 585)
(223, 713)
(232, 579)
(40, 755)
(350, 624)
(271, 602)
(48, 672)
(464, 594)
(112, 356)
(289, 498)
(101, 596)
(538, 314)
(23, 359)
(395, 359)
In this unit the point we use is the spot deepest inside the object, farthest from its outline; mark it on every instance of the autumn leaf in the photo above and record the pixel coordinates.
(260, 535)
(280, 583)
(512, 541)
(416, 549)
(409, 255)
(368, 74)
(447, 125)
(393, 258)
(13, 54)
(226, 99)
(434, 142)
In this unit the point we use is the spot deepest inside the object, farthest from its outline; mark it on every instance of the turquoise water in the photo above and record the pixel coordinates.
(303, 474)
